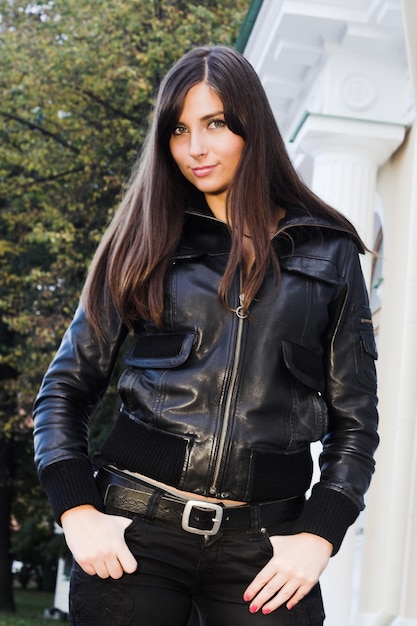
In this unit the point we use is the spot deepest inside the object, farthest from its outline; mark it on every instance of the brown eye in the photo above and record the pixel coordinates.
(179, 130)
(217, 124)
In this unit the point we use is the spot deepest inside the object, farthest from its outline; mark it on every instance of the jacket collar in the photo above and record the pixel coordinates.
(203, 232)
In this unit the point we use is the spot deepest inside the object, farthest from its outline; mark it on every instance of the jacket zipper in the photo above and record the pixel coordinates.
(241, 315)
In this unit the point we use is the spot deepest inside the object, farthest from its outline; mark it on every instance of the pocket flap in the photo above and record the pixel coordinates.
(160, 350)
(362, 322)
(369, 345)
(305, 364)
(313, 267)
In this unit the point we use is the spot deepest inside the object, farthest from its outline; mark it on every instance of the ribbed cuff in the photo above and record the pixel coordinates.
(328, 513)
(68, 484)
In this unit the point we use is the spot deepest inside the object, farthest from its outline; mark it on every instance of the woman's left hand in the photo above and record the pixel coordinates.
(295, 568)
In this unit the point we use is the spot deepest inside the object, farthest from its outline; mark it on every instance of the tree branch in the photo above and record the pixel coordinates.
(109, 107)
(48, 179)
(43, 131)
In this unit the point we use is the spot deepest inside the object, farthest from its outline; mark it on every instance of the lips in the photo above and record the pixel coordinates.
(205, 170)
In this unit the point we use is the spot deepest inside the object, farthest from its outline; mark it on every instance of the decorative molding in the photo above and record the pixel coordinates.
(368, 140)
(358, 92)
(338, 57)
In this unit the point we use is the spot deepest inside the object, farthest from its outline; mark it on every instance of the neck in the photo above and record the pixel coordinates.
(217, 206)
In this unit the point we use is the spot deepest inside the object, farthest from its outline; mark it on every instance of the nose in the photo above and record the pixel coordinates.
(197, 147)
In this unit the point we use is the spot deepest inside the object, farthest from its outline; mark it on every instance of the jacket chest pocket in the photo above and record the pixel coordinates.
(151, 360)
(308, 286)
(309, 415)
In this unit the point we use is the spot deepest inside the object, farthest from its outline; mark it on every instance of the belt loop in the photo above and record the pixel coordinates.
(255, 522)
(153, 504)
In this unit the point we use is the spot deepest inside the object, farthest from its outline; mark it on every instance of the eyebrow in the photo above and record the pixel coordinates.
(207, 117)
(210, 115)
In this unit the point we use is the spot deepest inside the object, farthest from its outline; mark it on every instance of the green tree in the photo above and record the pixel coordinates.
(77, 84)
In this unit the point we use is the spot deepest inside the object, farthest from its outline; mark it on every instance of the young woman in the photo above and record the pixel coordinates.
(252, 338)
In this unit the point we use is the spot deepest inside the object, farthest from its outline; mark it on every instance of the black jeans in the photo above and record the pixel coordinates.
(176, 570)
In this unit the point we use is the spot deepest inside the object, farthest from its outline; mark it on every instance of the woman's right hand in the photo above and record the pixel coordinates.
(97, 542)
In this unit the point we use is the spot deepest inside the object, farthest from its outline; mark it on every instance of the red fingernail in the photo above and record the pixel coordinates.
(246, 597)
(253, 609)
(266, 611)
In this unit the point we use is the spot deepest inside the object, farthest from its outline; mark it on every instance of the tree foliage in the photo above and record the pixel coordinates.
(77, 84)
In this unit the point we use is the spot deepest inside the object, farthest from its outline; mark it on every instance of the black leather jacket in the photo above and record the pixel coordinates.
(226, 406)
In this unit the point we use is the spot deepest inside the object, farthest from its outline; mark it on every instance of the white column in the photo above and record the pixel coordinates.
(409, 599)
(346, 156)
(389, 573)
(389, 596)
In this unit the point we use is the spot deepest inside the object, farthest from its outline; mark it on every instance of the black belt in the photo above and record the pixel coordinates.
(130, 496)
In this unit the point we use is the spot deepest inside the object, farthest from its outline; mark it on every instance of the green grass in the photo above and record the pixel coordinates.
(30, 605)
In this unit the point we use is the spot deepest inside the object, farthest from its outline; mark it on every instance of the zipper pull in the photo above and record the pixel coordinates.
(240, 311)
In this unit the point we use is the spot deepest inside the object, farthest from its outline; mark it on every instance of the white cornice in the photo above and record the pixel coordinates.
(345, 58)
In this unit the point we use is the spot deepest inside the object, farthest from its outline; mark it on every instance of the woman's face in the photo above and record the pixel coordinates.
(204, 148)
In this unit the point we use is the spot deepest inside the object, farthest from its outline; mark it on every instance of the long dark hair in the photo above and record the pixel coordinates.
(130, 264)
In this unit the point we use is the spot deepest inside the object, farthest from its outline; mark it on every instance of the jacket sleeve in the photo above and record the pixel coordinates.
(347, 458)
(74, 384)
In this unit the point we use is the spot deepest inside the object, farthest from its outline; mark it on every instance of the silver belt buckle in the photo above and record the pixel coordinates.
(207, 506)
